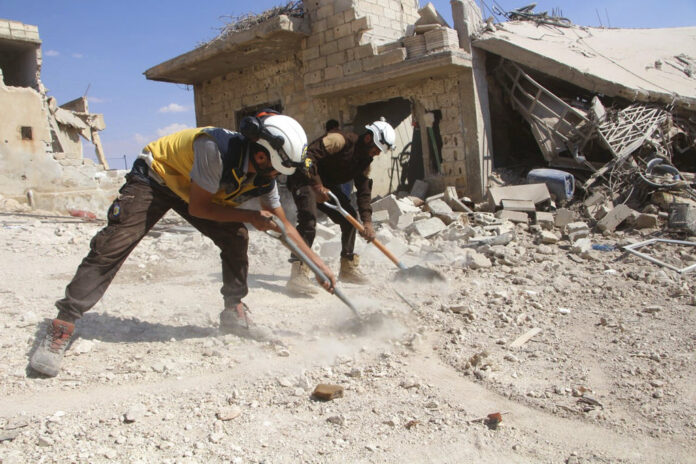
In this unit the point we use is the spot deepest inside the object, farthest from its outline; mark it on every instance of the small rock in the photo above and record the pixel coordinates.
(337, 420)
(327, 392)
(135, 413)
(652, 309)
(230, 413)
(45, 441)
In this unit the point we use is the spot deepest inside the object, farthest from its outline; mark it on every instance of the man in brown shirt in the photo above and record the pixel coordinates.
(337, 157)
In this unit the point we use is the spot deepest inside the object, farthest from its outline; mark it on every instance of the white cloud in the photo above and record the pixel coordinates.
(77, 55)
(171, 129)
(141, 139)
(96, 100)
(51, 53)
(173, 108)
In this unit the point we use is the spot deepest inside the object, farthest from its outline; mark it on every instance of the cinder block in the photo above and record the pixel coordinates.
(614, 218)
(513, 216)
(420, 189)
(544, 219)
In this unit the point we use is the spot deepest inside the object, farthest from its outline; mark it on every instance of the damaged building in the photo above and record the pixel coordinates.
(354, 61)
(604, 105)
(43, 163)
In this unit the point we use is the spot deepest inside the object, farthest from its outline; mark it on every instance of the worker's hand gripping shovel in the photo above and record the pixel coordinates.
(419, 272)
(295, 250)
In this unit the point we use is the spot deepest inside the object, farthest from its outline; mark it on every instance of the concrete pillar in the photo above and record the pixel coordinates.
(474, 96)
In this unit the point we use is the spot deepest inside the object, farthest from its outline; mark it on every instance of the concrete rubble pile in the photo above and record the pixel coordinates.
(622, 129)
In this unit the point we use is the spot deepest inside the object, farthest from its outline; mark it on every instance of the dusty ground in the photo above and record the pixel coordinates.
(610, 378)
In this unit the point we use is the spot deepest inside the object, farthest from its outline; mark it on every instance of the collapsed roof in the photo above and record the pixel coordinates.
(642, 65)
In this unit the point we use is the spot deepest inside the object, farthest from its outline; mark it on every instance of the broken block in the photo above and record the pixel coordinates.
(513, 216)
(545, 220)
(518, 205)
(646, 221)
(438, 207)
(379, 217)
(577, 230)
(615, 217)
(395, 207)
(429, 227)
(547, 237)
(402, 222)
(564, 217)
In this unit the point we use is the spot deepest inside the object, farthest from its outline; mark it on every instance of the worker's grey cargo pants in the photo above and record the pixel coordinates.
(140, 204)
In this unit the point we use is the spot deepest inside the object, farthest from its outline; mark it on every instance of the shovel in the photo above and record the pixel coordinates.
(294, 249)
(414, 272)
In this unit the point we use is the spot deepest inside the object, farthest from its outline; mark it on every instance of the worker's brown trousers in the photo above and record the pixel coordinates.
(140, 204)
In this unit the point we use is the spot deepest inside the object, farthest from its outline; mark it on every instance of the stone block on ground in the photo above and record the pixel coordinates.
(614, 218)
(327, 392)
(379, 217)
(564, 217)
(438, 207)
(513, 216)
(428, 227)
(544, 219)
(547, 237)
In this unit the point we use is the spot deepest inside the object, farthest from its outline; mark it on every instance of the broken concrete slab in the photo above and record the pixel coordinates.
(438, 207)
(537, 193)
(428, 227)
(518, 205)
(454, 202)
(629, 75)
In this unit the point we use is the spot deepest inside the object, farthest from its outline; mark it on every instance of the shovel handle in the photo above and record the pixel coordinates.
(354, 222)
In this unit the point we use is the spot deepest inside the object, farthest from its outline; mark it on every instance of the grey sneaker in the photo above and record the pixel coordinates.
(236, 321)
(49, 354)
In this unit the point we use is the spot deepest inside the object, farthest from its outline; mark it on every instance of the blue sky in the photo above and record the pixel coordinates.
(103, 48)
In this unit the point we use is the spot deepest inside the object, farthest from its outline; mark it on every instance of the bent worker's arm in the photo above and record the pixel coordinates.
(201, 205)
(299, 241)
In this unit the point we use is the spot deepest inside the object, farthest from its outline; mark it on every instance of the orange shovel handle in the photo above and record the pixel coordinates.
(354, 222)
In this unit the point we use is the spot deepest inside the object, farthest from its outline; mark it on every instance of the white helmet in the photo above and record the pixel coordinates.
(285, 141)
(383, 134)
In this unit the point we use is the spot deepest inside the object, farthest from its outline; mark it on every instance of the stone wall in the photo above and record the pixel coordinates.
(349, 37)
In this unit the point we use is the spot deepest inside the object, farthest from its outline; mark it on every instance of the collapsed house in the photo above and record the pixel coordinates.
(41, 153)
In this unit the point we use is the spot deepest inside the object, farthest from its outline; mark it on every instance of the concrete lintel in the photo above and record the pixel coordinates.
(413, 69)
(274, 38)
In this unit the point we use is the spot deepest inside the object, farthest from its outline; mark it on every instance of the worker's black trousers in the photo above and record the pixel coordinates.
(306, 203)
(140, 204)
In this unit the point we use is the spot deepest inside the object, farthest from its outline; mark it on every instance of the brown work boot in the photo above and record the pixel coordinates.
(300, 280)
(349, 270)
(236, 321)
(48, 356)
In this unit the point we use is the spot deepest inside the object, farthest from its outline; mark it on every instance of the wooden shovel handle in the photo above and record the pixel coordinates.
(377, 243)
